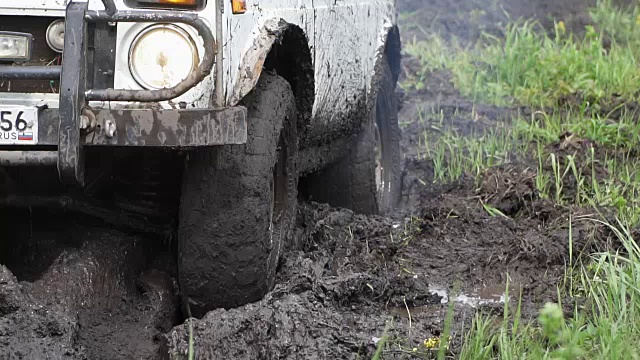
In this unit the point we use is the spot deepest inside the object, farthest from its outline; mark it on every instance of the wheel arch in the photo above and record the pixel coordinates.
(393, 51)
(284, 48)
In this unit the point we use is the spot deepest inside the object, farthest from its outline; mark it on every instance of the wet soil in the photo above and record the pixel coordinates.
(80, 290)
(73, 288)
(357, 275)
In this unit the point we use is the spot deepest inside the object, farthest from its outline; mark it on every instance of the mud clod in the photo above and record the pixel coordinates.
(30, 329)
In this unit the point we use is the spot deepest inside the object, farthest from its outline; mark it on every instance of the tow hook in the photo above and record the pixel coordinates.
(109, 128)
(87, 121)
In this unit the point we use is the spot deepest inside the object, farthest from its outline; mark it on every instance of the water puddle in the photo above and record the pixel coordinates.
(481, 296)
(485, 295)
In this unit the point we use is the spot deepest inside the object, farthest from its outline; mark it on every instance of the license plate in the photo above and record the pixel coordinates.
(18, 125)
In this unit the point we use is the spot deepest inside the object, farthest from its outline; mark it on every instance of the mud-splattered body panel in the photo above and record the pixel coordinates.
(345, 38)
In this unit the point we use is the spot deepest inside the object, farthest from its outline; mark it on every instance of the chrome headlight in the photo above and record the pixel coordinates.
(15, 46)
(161, 56)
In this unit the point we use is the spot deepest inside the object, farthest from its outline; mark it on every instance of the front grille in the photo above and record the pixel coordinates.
(41, 53)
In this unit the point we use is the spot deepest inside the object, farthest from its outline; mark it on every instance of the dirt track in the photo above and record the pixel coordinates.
(73, 289)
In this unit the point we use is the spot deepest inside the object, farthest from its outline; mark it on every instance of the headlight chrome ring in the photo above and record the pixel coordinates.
(162, 55)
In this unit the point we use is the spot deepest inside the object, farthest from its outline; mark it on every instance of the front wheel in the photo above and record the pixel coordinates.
(238, 206)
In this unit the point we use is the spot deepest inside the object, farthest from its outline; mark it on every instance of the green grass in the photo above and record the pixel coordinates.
(530, 67)
(431, 54)
(585, 156)
(610, 178)
(537, 70)
(605, 327)
(620, 24)
(454, 155)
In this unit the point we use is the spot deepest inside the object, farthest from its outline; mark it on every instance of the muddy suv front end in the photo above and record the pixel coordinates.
(52, 111)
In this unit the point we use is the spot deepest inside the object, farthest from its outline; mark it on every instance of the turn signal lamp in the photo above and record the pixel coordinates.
(170, 2)
(239, 6)
(185, 4)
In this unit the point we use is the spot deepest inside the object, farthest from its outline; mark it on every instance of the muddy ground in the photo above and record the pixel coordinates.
(71, 288)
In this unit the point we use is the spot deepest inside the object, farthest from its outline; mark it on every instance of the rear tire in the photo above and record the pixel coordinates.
(367, 179)
(238, 206)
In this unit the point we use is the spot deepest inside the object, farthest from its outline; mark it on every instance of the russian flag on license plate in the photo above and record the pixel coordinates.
(26, 136)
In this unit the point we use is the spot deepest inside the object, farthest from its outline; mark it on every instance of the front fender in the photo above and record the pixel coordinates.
(253, 59)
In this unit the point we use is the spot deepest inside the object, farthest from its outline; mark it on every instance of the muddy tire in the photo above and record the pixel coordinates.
(367, 179)
(238, 206)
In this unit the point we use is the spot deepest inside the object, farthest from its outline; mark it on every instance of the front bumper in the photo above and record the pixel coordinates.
(176, 128)
(76, 124)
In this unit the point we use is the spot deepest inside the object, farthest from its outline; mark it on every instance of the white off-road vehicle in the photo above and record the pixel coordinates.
(206, 119)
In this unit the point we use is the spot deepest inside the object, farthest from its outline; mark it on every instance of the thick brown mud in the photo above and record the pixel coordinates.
(73, 288)
(102, 294)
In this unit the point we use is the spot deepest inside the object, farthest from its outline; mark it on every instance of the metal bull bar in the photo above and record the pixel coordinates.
(205, 126)
(206, 65)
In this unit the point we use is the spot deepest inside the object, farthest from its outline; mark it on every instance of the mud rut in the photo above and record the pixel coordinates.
(71, 288)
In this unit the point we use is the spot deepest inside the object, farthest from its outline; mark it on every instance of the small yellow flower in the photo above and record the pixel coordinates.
(638, 20)
(432, 343)
(562, 28)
